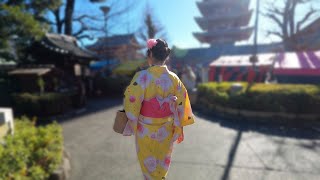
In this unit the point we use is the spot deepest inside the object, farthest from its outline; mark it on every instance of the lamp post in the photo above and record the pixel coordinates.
(256, 27)
(105, 10)
(254, 58)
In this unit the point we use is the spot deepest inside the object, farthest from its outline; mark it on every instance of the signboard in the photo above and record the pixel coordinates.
(6, 122)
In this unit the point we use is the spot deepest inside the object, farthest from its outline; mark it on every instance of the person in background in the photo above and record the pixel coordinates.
(189, 78)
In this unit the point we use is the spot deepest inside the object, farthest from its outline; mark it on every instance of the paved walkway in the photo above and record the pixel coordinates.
(213, 150)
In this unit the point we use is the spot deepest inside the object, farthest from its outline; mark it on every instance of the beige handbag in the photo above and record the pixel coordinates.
(120, 122)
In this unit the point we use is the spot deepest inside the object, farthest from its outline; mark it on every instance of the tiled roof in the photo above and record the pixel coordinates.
(113, 41)
(207, 55)
(65, 45)
(26, 71)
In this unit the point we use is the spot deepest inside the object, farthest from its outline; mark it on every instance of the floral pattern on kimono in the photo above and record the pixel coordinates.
(158, 107)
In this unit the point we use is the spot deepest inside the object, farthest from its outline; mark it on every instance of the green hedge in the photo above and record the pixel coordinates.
(298, 99)
(41, 105)
(32, 153)
(112, 85)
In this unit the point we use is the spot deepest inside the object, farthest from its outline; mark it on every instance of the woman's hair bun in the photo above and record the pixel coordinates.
(161, 51)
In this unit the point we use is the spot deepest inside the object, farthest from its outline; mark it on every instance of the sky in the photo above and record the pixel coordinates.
(177, 17)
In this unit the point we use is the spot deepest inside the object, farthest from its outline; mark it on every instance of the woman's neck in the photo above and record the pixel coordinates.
(158, 64)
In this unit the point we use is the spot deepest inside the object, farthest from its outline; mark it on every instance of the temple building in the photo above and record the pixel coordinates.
(62, 51)
(308, 38)
(119, 47)
(224, 24)
(63, 65)
(224, 21)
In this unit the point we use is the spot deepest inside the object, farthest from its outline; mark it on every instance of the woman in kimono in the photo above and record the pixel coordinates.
(158, 107)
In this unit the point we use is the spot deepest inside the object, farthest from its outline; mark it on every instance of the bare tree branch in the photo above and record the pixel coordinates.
(276, 33)
(59, 20)
(142, 35)
(284, 16)
(274, 18)
(272, 9)
(85, 27)
(306, 18)
(86, 21)
(86, 36)
(80, 18)
(120, 12)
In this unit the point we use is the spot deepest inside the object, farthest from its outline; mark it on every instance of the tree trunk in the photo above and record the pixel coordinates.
(68, 17)
(286, 20)
(292, 19)
(151, 27)
(59, 21)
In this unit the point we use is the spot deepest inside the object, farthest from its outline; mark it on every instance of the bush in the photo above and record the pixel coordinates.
(32, 153)
(112, 85)
(41, 105)
(288, 98)
(129, 68)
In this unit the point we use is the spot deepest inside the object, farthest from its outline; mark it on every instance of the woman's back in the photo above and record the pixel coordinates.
(162, 82)
(157, 106)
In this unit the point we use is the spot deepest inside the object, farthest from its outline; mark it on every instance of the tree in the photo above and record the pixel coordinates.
(285, 18)
(22, 22)
(82, 24)
(69, 17)
(151, 28)
(28, 20)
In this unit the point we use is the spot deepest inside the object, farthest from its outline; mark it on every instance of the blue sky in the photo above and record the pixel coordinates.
(181, 25)
(177, 16)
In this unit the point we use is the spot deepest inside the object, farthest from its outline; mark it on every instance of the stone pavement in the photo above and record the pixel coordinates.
(213, 149)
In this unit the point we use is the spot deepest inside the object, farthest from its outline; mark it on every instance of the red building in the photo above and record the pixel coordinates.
(309, 37)
(239, 68)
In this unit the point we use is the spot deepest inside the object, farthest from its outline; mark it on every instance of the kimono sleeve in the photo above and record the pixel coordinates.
(186, 116)
(133, 98)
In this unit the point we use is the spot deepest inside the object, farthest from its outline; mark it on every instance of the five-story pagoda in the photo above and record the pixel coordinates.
(224, 21)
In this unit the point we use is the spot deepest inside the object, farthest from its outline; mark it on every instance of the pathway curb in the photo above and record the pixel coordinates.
(63, 171)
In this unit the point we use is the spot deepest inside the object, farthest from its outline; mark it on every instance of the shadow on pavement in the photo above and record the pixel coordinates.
(278, 135)
(298, 131)
(231, 156)
(94, 105)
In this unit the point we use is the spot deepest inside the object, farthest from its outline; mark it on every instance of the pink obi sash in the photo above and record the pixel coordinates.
(159, 107)
(152, 108)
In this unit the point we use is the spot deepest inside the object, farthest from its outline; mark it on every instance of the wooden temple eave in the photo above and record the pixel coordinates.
(208, 37)
(207, 7)
(240, 19)
(227, 31)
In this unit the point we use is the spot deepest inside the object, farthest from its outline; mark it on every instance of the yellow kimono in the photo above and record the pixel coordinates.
(157, 106)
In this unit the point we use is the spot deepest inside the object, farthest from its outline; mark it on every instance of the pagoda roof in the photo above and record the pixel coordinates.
(225, 35)
(206, 7)
(242, 19)
(224, 2)
(115, 41)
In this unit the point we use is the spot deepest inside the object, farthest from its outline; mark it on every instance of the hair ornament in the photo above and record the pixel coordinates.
(151, 43)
